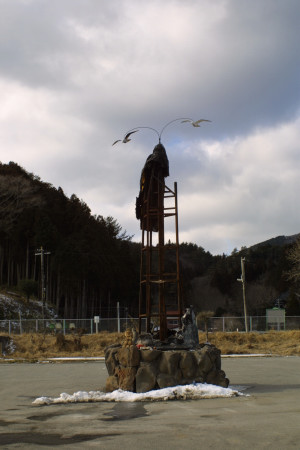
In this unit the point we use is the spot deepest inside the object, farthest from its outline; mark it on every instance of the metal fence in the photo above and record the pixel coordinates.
(68, 326)
(255, 323)
(87, 326)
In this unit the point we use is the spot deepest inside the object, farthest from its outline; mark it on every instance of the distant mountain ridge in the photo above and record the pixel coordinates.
(279, 241)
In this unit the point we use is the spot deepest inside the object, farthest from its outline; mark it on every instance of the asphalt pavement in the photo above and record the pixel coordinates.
(268, 418)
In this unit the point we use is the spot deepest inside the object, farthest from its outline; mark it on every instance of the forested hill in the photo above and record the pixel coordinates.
(279, 241)
(91, 262)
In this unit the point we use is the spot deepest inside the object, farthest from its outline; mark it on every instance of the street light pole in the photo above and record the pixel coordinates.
(243, 280)
(41, 252)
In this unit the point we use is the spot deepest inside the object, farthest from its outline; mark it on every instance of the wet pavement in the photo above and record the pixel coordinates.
(268, 418)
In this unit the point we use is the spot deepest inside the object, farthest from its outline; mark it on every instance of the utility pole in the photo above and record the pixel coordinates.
(243, 280)
(41, 252)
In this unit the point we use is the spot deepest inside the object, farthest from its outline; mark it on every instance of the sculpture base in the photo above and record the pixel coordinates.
(144, 369)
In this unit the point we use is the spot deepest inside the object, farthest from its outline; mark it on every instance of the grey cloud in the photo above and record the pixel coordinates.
(76, 75)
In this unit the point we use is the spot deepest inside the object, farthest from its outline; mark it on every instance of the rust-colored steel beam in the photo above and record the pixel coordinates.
(154, 279)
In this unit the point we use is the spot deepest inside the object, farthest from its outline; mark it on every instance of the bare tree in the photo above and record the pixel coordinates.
(260, 296)
(16, 195)
(294, 257)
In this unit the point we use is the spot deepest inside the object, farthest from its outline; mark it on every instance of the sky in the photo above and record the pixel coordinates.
(76, 75)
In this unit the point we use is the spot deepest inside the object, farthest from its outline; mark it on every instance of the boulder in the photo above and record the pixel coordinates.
(148, 355)
(128, 356)
(164, 380)
(141, 370)
(110, 359)
(218, 378)
(214, 353)
(145, 378)
(112, 384)
(169, 362)
(126, 377)
(204, 363)
(187, 364)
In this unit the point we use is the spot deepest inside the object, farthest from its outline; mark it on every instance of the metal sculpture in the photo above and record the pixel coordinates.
(160, 300)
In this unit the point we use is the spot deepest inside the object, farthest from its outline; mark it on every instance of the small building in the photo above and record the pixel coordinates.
(275, 319)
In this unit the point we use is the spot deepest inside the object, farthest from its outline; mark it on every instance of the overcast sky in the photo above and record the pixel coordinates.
(75, 75)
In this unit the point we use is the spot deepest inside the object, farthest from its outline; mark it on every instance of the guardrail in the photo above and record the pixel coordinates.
(87, 326)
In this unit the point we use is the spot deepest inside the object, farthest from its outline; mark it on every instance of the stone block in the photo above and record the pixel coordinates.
(188, 364)
(111, 361)
(178, 376)
(145, 378)
(204, 363)
(126, 377)
(199, 379)
(169, 362)
(218, 378)
(111, 384)
(214, 354)
(148, 355)
(142, 370)
(128, 356)
(164, 380)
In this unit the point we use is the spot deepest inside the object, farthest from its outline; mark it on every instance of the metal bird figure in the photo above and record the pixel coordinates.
(126, 137)
(195, 123)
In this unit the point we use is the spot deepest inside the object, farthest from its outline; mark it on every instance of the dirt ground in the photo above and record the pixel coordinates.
(39, 346)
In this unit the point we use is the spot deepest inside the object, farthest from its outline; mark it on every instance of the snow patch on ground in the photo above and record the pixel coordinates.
(15, 309)
(188, 392)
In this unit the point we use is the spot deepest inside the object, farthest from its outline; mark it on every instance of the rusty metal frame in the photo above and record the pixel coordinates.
(151, 280)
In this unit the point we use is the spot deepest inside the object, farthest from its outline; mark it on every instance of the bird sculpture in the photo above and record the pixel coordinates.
(195, 123)
(126, 137)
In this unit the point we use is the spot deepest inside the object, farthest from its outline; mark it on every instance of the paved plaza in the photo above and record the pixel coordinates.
(269, 418)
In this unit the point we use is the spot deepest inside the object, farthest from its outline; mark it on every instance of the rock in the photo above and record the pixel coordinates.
(145, 378)
(128, 356)
(112, 384)
(218, 378)
(110, 359)
(142, 370)
(204, 363)
(126, 376)
(178, 377)
(169, 362)
(199, 379)
(148, 355)
(164, 380)
(145, 340)
(188, 364)
(214, 353)
(189, 328)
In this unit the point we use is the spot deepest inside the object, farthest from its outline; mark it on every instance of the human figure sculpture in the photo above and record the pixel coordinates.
(189, 328)
(155, 170)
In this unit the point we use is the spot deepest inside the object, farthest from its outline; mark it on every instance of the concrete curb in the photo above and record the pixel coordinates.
(68, 359)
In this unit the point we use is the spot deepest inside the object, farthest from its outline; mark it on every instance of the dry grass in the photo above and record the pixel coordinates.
(284, 343)
(40, 346)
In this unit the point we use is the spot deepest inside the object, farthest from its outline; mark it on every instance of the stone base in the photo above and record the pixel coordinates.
(145, 369)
